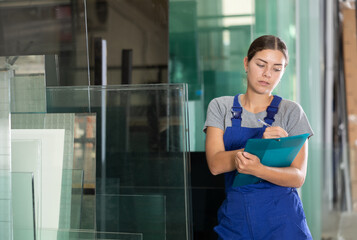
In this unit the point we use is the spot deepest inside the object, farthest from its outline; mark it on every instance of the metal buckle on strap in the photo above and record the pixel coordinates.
(236, 112)
(271, 111)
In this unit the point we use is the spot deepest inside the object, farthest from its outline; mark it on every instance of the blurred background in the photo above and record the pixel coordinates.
(124, 85)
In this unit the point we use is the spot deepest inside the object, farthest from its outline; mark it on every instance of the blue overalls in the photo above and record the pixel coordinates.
(259, 211)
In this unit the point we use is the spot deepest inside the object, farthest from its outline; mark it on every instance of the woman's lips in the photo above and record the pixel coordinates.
(264, 83)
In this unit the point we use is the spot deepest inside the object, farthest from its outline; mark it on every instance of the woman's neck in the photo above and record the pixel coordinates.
(256, 102)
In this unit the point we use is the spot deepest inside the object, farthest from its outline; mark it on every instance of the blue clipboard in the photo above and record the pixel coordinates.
(273, 152)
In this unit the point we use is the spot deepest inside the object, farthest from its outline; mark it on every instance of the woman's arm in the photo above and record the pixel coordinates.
(293, 176)
(218, 159)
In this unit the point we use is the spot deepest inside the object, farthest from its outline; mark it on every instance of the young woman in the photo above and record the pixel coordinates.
(270, 209)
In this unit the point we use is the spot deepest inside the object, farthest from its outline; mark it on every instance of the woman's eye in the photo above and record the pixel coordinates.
(260, 65)
(277, 69)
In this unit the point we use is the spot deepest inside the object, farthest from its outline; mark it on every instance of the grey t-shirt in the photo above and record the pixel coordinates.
(291, 117)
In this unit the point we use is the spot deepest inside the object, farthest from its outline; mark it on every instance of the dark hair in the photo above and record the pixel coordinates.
(268, 42)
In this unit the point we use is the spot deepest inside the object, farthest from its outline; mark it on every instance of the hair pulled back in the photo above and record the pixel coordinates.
(268, 42)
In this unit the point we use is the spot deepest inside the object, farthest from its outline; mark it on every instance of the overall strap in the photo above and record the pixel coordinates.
(272, 110)
(236, 112)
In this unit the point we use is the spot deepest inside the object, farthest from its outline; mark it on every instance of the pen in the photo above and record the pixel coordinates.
(264, 123)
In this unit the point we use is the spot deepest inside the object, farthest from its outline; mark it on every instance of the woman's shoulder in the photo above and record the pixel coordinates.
(223, 101)
(289, 105)
(221, 105)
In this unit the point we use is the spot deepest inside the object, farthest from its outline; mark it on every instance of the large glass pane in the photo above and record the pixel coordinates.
(141, 146)
(311, 79)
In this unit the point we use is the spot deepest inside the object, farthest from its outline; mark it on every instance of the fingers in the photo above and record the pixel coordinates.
(246, 162)
(274, 132)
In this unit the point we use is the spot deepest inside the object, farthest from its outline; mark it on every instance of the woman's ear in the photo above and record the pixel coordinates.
(245, 61)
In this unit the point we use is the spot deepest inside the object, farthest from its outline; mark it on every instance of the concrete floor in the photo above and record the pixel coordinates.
(339, 226)
(348, 226)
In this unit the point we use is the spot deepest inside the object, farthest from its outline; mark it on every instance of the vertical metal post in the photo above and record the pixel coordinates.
(328, 100)
(100, 79)
(100, 64)
(126, 66)
(126, 78)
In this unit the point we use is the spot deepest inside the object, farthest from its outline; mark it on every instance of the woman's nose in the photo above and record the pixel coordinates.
(267, 73)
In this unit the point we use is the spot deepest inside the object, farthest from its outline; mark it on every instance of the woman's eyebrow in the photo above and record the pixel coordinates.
(277, 64)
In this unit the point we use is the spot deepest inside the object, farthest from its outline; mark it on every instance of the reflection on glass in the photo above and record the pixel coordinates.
(52, 28)
(85, 146)
(142, 30)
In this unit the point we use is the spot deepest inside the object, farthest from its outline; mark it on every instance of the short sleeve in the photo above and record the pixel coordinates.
(215, 115)
(297, 122)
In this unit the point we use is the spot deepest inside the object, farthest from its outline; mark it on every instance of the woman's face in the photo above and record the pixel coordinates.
(265, 70)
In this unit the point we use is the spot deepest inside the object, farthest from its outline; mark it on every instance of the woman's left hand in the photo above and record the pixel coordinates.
(246, 163)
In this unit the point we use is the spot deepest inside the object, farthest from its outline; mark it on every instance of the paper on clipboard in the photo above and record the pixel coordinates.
(273, 152)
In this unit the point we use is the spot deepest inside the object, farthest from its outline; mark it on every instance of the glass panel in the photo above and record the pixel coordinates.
(77, 198)
(72, 183)
(23, 206)
(52, 145)
(71, 179)
(144, 214)
(5, 151)
(278, 17)
(53, 123)
(5, 185)
(310, 52)
(5, 230)
(5, 161)
(26, 156)
(28, 93)
(5, 208)
(137, 49)
(88, 235)
(85, 159)
(84, 147)
(54, 28)
(108, 186)
(141, 143)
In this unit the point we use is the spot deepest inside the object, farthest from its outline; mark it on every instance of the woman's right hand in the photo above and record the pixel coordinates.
(219, 160)
(274, 132)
